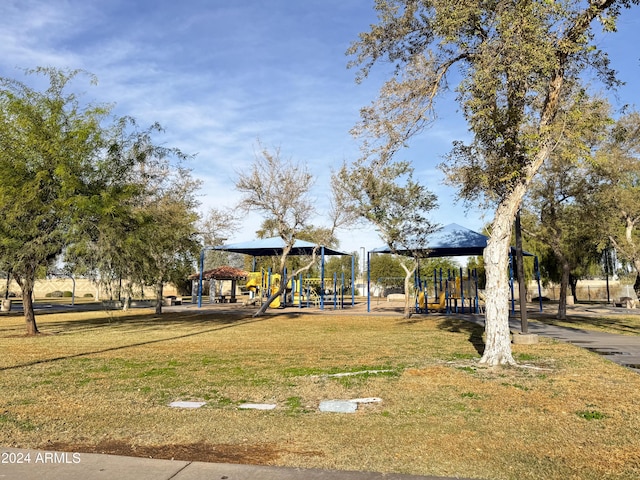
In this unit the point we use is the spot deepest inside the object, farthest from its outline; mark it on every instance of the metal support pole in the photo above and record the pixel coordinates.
(513, 299)
(475, 281)
(368, 281)
(200, 278)
(536, 266)
(522, 287)
(353, 280)
(322, 280)
(462, 291)
(300, 292)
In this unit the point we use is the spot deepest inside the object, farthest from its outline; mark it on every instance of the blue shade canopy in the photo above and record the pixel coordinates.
(269, 247)
(451, 240)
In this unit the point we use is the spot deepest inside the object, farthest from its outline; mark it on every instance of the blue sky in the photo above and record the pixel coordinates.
(221, 75)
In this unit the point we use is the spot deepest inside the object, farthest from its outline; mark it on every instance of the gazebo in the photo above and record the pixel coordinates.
(222, 273)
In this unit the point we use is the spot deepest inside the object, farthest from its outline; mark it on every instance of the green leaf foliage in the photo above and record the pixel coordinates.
(76, 182)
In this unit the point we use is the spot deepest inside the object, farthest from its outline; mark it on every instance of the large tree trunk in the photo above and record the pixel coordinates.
(496, 259)
(564, 288)
(29, 314)
(6, 292)
(159, 292)
(26, 286)
(496, 255)
(565, 272)
(573, 283)
(407, 295)
(636, 264)
(636, 284)
(409, 275)
(127, 295)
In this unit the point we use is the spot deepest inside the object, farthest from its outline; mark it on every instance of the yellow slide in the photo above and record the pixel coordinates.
(275, 303)
(275, 285)
(439, 305)
(255, 282)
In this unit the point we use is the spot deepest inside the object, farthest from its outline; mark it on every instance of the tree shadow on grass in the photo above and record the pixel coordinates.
(114, 318)
(473, 330)
(615, 323)
(148, 320)
(215, 322)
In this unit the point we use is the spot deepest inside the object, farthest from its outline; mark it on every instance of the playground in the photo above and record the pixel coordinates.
(257, 286)
(451, 291)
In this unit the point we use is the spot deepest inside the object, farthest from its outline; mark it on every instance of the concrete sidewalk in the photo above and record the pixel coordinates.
(41, 465)
(621, 349)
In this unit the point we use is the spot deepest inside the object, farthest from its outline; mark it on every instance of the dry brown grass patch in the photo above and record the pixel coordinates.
(103, 383)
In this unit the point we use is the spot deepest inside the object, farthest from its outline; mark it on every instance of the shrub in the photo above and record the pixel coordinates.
(67, 293)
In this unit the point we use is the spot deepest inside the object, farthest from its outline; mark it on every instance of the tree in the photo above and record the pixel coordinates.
(99, 247)
(561, 197)
(515, 58)
(342, 265)
(383, 266)
(48, 144)
(383, 192)
(168, 235)
(217, 226)
(140, 221)
(308, 233)
(571, 241)
(477, 264)
(618, 171)
(281, 191)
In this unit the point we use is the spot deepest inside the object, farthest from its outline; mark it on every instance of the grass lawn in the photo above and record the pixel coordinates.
(102, 382)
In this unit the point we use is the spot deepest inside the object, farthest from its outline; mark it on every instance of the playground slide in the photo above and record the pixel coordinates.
(439, 305)
(254, 280)
(276, 301)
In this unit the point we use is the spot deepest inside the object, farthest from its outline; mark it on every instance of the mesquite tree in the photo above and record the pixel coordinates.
(385, 194)
(140, 223)
(280, 190)
(562, 197)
